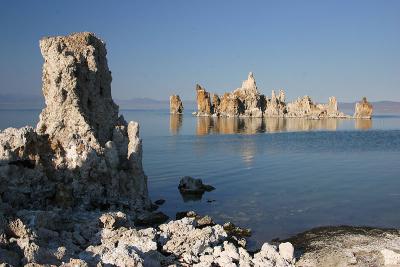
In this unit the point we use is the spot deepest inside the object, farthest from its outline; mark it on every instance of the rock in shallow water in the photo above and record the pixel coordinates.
(189, 185)
(363, 109)
(175, 104)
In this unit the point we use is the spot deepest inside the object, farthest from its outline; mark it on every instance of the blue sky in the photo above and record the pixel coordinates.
(156, 48)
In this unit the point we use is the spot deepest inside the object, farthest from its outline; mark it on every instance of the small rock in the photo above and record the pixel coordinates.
(183, 214)
(286, 250)
(113, 220)
(75, 263)
(205, 221)
(234, 230)
(390, 257)
(189, 185)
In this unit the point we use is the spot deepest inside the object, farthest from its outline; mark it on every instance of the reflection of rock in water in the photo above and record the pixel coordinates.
(234, 125)
(192, 197)
(226, 125)
(203, 125)
(248, 151)
(299, 124)
(175, 123)
(308, 125)
(274, 124)
(362, 124)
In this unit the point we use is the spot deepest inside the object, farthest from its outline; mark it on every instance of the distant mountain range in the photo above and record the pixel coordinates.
(11, 101)
(380, 107)
(148, 103)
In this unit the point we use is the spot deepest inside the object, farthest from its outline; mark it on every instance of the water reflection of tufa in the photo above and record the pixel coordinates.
(363, 124)
(226, 125)
(175, 123)
(223, 125)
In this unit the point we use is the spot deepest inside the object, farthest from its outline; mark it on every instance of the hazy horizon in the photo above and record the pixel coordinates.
(348, 49)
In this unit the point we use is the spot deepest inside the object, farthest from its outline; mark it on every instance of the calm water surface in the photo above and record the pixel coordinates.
(276, 176)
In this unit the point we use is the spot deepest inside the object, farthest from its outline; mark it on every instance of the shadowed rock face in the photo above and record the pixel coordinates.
(77, 89)
(363, 109)
(175, 104)
(81, 154)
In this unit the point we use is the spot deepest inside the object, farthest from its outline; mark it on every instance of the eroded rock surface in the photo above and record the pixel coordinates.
(203, 101)
(175, 104)
(82, 154)
(363, 109)
(90, 238)
(305, 107)
(247, 101)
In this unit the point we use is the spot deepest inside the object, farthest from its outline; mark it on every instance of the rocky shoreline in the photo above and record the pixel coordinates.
(73, 191)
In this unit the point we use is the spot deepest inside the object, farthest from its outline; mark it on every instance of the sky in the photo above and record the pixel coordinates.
(344, 48)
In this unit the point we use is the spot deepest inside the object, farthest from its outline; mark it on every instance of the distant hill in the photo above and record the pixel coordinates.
(14, 101)
(380, 107)
(148, 103)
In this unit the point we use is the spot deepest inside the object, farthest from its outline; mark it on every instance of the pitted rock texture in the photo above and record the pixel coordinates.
(77, 90)
(363, 109)
(82, 153)
(275, 106)
(249, 97)
(247, 101)
(175, 104)
(92, 238)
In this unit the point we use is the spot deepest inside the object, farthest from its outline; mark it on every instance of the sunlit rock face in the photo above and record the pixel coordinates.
(305, 108)
(77, 90)
(249, 97)
(275, 106)
(81, 153)
(203, 101)
(175, 104)
(363, 109)
(246, 101)
(230, 105)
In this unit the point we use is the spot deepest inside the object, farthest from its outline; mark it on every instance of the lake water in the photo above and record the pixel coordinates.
(276, 176)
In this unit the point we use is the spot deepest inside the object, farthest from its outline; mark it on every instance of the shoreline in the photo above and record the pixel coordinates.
(87, 238)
